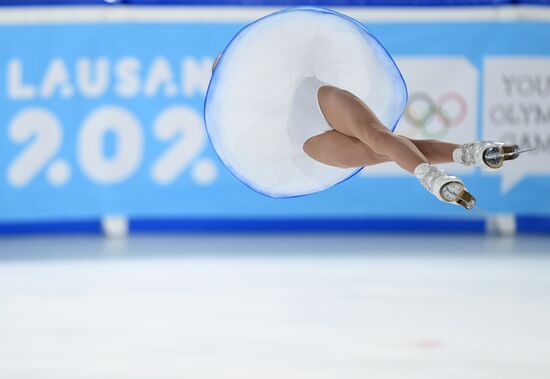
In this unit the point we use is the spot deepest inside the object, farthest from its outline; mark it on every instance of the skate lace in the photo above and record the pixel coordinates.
(431, 176)
(471, 152)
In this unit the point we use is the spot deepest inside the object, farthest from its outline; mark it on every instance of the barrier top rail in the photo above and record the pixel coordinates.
(331, 3)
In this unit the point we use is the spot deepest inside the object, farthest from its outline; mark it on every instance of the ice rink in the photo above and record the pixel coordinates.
(279, 306)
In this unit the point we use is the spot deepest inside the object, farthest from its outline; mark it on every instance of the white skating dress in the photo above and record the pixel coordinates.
(261, 104)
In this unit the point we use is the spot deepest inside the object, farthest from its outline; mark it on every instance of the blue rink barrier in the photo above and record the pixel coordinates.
(530, 224)
(523, 225)
(157, 74)
(51, 227)
(254, 226)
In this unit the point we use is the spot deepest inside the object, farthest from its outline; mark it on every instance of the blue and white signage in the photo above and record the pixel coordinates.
(106, 118)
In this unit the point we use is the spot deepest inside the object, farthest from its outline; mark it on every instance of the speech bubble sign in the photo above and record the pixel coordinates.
(517, 111)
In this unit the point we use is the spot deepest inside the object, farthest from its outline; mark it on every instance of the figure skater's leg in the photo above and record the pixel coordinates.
(435, 151)
(488, 155)
(336, 149)
(347, 114)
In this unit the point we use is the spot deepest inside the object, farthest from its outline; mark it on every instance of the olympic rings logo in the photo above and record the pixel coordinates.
(422, 112)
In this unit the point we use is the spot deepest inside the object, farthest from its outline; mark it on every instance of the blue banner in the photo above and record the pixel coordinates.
(106, 118)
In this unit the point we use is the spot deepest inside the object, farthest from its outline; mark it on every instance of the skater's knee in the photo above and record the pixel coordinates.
(314, 148)
(328, 97)
(310, 148)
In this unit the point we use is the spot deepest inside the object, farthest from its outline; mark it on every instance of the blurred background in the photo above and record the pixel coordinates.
(127, 250)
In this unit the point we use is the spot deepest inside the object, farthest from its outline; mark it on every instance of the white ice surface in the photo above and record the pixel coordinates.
(381, 307)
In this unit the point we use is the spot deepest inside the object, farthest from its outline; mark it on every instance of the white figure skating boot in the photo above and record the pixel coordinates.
(486, 154)
(446, 188)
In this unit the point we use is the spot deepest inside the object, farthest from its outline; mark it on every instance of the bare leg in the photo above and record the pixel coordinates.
(336, 149)
(352, 118)
(435, 151)
(347, 114)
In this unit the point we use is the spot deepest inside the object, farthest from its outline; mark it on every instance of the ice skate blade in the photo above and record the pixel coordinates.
(494, 157)
(510, 152)
(514, 154)
(481, 211)
(466, 200)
